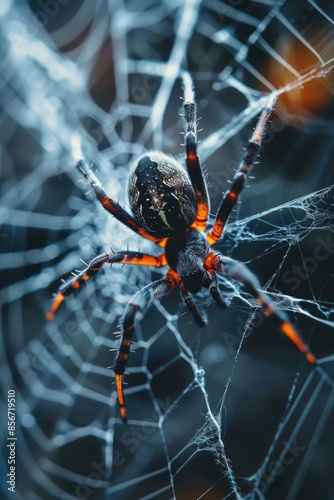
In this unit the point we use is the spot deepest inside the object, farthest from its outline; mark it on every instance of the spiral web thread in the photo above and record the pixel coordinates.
(203, 418)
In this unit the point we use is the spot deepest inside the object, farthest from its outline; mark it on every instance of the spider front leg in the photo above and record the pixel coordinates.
(140, 301)
(192, 160)
(239, 272)
(94, 267)
(231, 196)
(112, 207)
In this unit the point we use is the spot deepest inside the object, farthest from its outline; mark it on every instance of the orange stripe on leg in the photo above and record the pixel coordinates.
(123, 414)
(290, 332)
(145, 260)
(55, 306)
(120, 396)
(202, 214)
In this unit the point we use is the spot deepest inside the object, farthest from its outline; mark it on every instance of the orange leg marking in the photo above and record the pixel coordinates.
(290, 332)
(202, 215)
(120, 396)
(231, 196)
(95, 265)
(58, 300)
(239, 272)
(194, 166)
(139, 302)
(114, 208)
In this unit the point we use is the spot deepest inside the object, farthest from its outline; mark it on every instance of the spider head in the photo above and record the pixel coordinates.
(196, 279)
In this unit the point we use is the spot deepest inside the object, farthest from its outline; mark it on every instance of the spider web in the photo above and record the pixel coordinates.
(215, 412)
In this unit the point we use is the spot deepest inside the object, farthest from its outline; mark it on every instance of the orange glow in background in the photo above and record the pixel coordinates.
(312, 97)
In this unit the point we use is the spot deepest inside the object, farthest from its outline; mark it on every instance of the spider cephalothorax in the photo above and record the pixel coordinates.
(186, 253)
(170, 206)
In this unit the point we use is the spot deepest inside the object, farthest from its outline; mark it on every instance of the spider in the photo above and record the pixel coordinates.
(170, 206)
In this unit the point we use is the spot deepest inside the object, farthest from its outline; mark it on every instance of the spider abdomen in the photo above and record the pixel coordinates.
(161, 196)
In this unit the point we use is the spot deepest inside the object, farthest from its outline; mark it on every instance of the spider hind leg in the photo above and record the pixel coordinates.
(138, 303)
(239, 272)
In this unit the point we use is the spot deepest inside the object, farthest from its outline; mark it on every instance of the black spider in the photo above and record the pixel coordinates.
(170, 206)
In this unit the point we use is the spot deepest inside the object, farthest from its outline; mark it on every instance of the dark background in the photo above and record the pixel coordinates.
(102, 57)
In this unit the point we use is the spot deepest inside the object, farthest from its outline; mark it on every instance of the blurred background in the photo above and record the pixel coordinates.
(215, 412)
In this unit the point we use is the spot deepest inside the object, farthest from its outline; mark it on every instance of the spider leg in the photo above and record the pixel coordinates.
(231, 196)
(216, 295)
(193, 307)
(95, 265)
(239, 272)
(192, 160)
(112, 207)
(140, 301)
